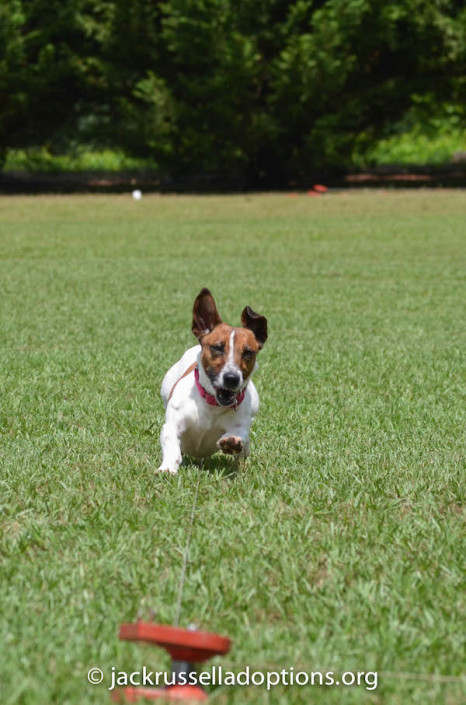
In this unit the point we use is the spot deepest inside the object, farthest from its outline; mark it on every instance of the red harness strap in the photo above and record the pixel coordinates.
(185, 374)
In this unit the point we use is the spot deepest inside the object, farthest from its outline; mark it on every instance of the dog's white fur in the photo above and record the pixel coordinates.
(192, 426)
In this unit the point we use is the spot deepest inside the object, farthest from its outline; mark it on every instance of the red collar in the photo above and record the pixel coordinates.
(211, 399)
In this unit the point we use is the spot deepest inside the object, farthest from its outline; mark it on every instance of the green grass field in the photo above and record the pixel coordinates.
(338, 545)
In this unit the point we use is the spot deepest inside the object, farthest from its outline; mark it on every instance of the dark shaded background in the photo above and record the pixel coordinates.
(257, 93)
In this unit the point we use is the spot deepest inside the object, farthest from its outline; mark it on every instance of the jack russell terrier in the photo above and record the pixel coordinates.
(208, 395)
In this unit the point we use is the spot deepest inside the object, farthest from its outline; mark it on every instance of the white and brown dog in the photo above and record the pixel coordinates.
(208, 395)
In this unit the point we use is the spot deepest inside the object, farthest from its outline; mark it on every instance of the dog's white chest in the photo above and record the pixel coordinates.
(200, 439)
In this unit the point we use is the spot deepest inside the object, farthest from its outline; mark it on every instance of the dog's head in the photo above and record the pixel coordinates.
(228, 353)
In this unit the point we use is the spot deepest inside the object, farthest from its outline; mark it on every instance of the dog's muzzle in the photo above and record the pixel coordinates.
(229, 387)
(225, 397)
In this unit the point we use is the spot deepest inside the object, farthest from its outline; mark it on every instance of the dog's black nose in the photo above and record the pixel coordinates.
(231, 380)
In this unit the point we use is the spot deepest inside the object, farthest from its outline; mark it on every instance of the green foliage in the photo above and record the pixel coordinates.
(266, 90)
(45, 71)
(358, 68)
(42, 160)
(415, 147)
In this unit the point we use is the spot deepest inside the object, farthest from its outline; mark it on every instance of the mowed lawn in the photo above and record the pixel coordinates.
(339, 544)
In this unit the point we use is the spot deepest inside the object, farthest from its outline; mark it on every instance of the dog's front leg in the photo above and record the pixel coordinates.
(171, 451)
(235, 441)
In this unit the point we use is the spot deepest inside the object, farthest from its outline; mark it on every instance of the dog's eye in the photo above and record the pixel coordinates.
(217, 349)
(247, 354)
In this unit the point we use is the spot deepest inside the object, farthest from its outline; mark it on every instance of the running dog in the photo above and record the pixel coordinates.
(209, 398)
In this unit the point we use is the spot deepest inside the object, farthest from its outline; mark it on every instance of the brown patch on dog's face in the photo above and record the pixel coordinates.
(246, 349)
(215, 349)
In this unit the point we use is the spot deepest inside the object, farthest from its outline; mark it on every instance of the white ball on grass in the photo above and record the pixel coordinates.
(137, 195)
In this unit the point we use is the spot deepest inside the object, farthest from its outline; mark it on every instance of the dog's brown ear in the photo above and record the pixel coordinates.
(205, 314)
(256, 323)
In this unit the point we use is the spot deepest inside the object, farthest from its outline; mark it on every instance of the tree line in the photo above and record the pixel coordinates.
(267, 90)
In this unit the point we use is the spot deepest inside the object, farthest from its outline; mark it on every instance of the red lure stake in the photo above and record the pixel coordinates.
(186, 648)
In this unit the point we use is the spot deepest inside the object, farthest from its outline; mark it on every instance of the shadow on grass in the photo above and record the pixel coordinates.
(220, 465)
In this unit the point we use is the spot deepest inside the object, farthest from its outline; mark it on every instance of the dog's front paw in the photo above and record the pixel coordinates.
(165, 468)
(231, 445)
